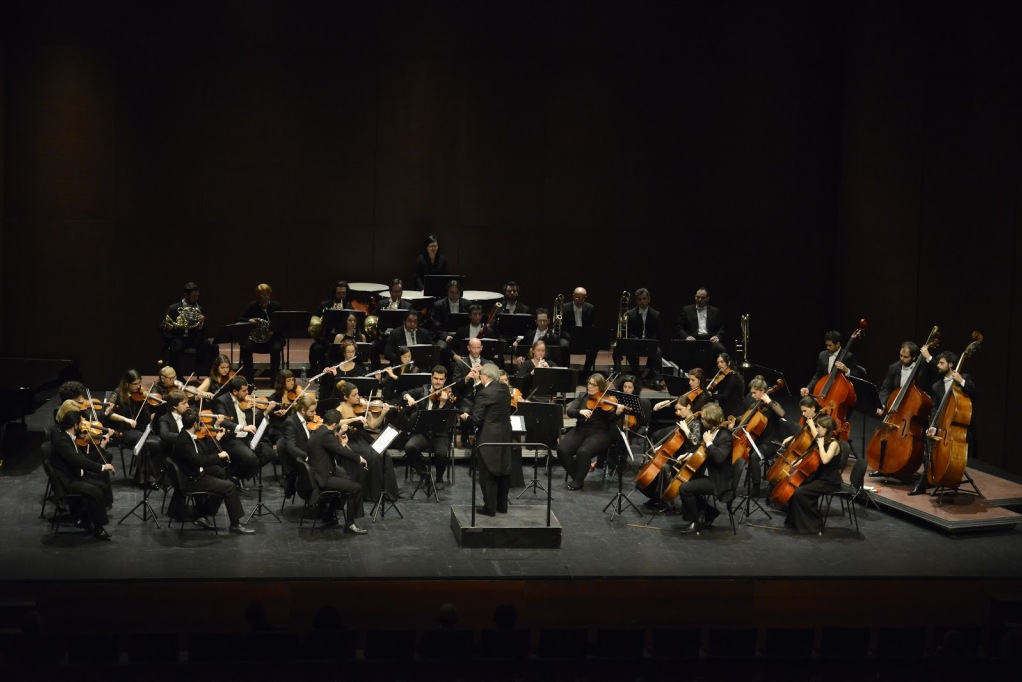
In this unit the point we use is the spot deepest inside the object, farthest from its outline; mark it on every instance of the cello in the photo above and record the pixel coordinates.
(949, 452)
(837, 389)
(648, 480)
(749, 427)
(793, 451)
(896, 447)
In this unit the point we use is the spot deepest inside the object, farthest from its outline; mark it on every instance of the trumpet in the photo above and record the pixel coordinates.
(558, 315)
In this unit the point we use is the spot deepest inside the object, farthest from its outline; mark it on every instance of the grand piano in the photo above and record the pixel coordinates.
(22, 380)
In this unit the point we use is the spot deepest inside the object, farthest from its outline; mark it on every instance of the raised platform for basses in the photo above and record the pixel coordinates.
(524, 526)
(956, 512)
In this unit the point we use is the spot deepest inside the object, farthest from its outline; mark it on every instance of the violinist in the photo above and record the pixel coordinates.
(242, 420)
(130, 413)
(409, 334)
(439, 443)
(321, 345)
(429, 262)
(261, 339)
(216, 382)
(643, 322)
(827, 360)
(701, 321)
(717, 469)
(285, 391)
(537, 359)
(695, 398)
(946, 374)
(579, 313)
(204, 472)
(294, 441)
(169, 426)
(74, 396)
(596, 417)
(728, 386)
(389, 375)
(380, 475)
(760, 399)
(81, 475)
(632, 424)
(327, 450)
(184, 326)
(166, 381)
(804, 515)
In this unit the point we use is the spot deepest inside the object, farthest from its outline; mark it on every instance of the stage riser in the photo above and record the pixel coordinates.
(523, 527)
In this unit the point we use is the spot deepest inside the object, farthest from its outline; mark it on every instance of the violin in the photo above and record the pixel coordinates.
(314, 423)
(601, 401)
(94, 406)
(139, 396)
(89, 431)
(208, 419)
(259, 403)
(291, 396)
(717, 378)
(374, 406)
(443, 394)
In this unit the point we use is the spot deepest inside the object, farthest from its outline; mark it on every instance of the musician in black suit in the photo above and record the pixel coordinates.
(184, 326)
(442, 310)
(579, 313)
(242, 426)
(474, 329)
(898, 373)
(295, 432)
(319, 348)
(261, 339)
(169, 425)
(466, 382)
(439, 443)
(492, 412)
(393, 302)
(828, 359)
(718, 469)
(701, 322)
(326, 451)
(946, 375)
(204, 472)
(643, 322)
(540, 331)
(81, 475)
(407, 335)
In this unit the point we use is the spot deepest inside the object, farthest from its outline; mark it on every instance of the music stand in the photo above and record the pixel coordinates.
(456, 321)
(586, 340)
(363, 351)
(553, 381)
(233, 333)
(676, 385)
(493, 349)
(427, 423)
(749, 501)
(142, 453)
(436, 285)
(619, 497)
(389, 319)
(380, 446)
(412, 380)
(293, 324)
(424, 355)
(513, 325)
(689, 354)
(642, 348)
(366, 385)
(543, 422)
(867, 402)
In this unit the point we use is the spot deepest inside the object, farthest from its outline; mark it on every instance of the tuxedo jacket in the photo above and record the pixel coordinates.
(166, 429)
(520, 308)
(823, 359)
(396, 338)
(688, 322)
(441, 311)
(568, 313)
(324, 454)
(926, 374)
(190, 460)
(491, 410)
(402, 303)
(937, 389)
(718, 461)
(67, 461)
(635, 324)
(224, 404)
(294, 438)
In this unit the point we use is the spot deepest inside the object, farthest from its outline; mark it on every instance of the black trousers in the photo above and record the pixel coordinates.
(419, 443)
(94, 493)
(353, 505)
(220, 489)
(494, 487)
(275, 347)
(693, 496)
(577, 449)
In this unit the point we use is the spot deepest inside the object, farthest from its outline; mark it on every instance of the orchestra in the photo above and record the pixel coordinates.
(685, 467)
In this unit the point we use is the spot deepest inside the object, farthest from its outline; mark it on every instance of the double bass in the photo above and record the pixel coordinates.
(751, 425)
(836, 389)
(949, 452)
(896, 447)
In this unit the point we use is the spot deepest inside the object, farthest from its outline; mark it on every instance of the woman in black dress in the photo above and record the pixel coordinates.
(803, 512)
(595, 429)
(429, 262)
(730, 388)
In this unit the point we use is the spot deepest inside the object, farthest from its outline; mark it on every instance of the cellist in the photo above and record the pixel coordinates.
(772, 411)
(718, 468)
(804, 514)
(946, 372)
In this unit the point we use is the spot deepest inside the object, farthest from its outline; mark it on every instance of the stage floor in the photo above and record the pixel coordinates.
(595, 544)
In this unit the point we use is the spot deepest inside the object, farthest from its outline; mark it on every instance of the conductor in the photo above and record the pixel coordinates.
(492, 411)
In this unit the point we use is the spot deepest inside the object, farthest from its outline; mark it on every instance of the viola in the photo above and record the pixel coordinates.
(896, 447)
(950, 451)
(443, 394)
(601, 401)
(516, 397)
(836, 388)
(718, 377)
(374, 406)
(292, 395)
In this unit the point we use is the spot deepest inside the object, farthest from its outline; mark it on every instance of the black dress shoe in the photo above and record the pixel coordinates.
(352, 529)
(485, 512)
(240, 529)
(439, 485)
(920, 488)
(201, 522)
(101, 534)
(876, 474)
(652, 504)
(690, 528)
(572, 486)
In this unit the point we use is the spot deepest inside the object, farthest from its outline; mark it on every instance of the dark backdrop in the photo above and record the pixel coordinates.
(810, 163)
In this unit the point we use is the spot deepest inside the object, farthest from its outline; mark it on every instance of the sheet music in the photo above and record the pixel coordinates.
(259, 433)
(388, 435)
(141, 443)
